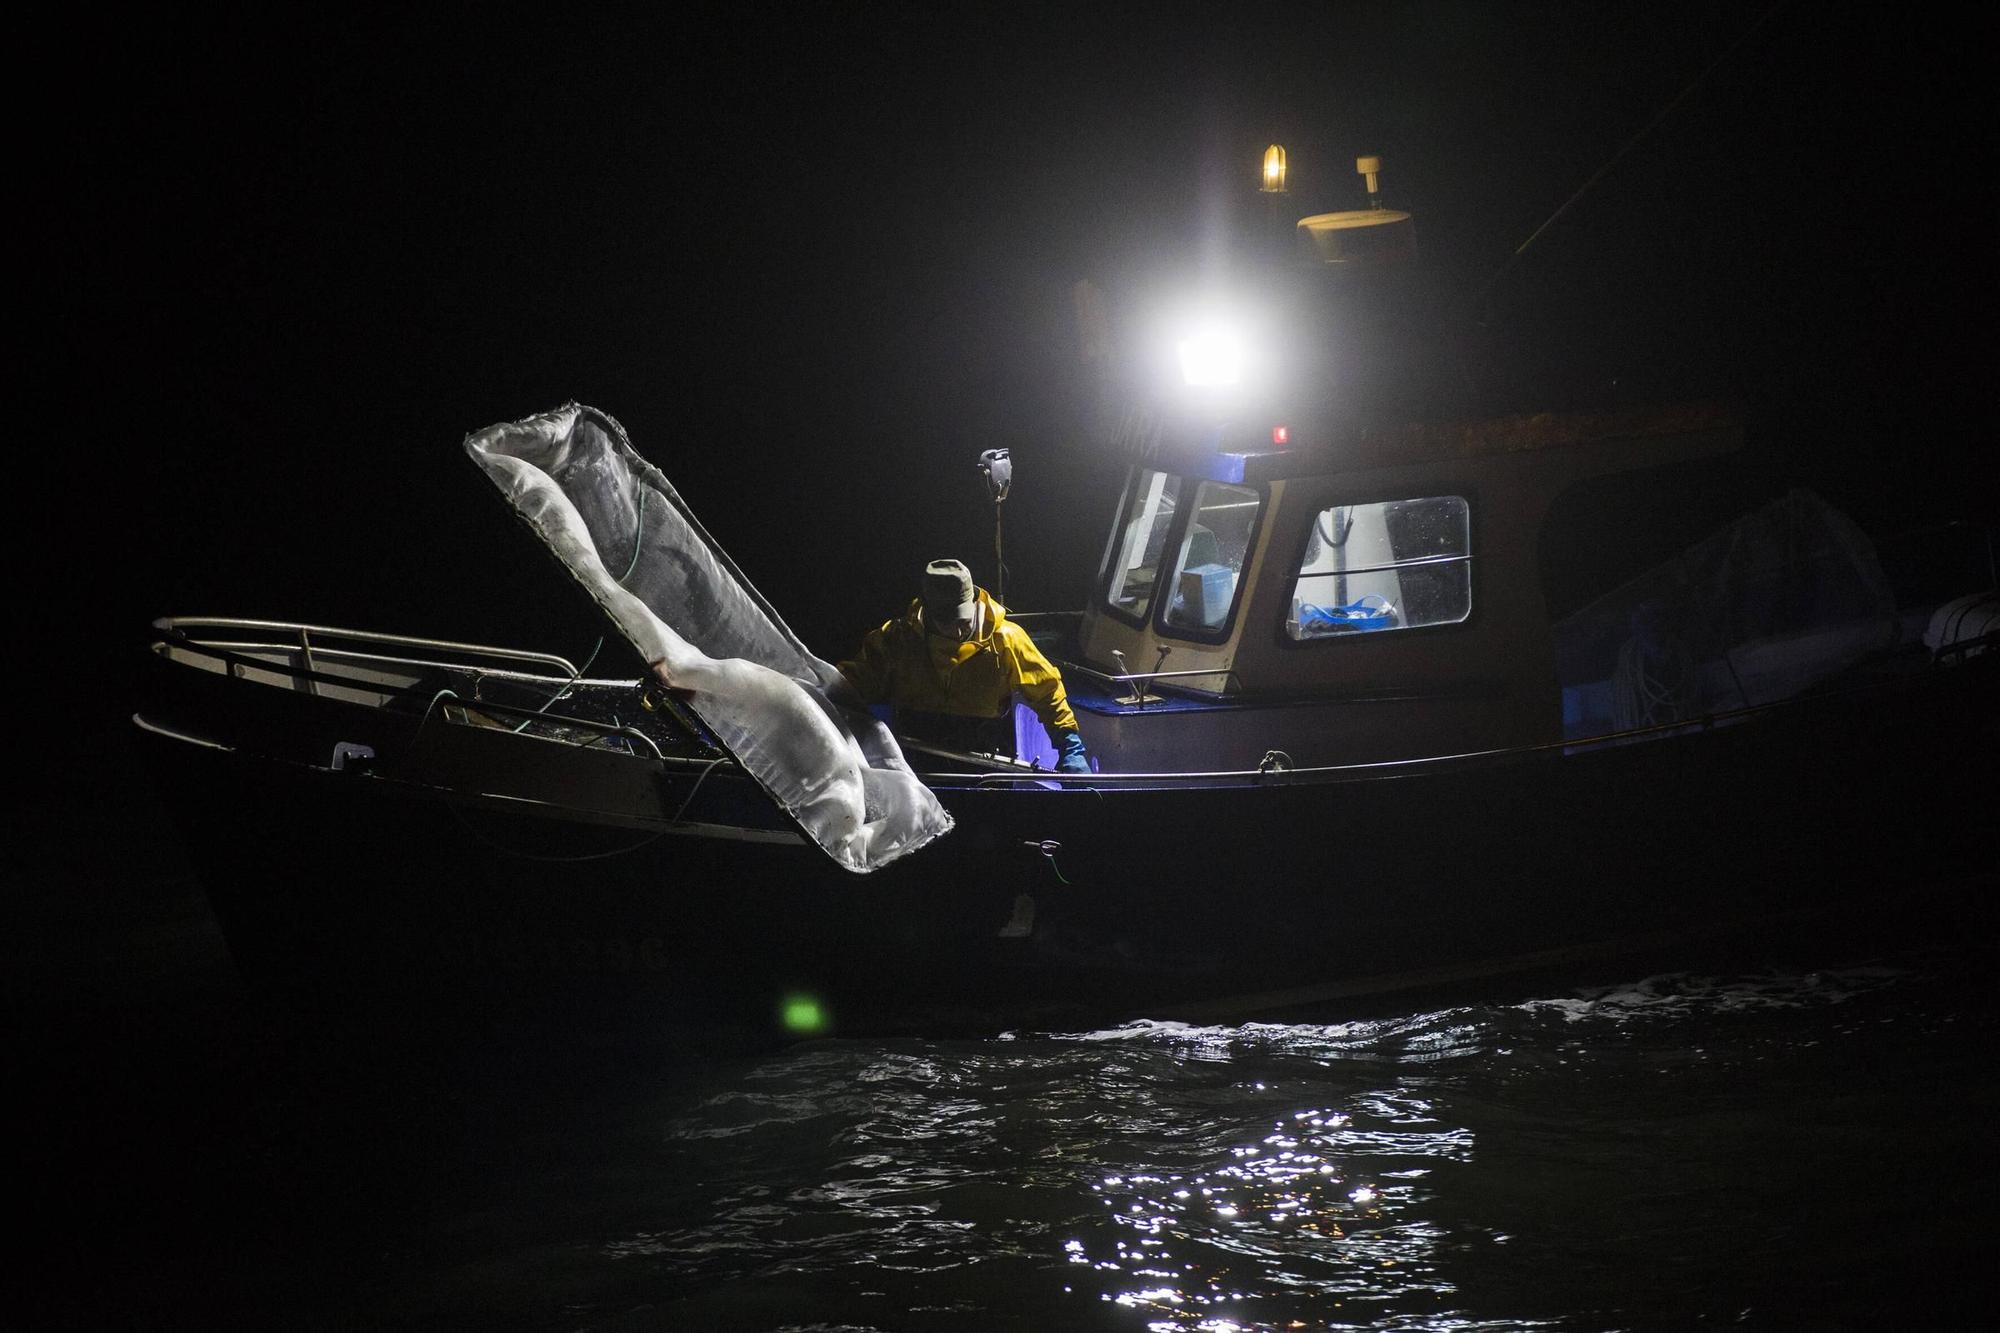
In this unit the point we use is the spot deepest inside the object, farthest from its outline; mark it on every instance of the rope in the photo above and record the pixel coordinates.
(1048, 851)
(638, 544)
(425, 719)
(563, 689)
(719, 759)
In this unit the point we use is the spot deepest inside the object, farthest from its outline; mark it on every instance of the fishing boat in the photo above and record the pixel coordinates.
(1352, 723)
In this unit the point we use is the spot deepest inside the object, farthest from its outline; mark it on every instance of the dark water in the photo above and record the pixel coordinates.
(1782, 1149)
(1775, 1150)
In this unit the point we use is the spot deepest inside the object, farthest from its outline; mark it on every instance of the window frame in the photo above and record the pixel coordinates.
(1110, 570)
(1178, 537)
(1467, 494)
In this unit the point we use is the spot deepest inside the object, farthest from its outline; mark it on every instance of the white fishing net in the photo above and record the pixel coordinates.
(626, 535)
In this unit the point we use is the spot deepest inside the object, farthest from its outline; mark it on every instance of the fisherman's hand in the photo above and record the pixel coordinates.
(664, 681)
(1072, 759)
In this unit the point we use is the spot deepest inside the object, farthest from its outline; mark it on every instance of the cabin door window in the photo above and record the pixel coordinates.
(1213, 549)
(1142, 538)
(1394, 564)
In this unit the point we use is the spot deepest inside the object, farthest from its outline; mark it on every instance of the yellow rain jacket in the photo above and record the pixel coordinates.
(902, 664)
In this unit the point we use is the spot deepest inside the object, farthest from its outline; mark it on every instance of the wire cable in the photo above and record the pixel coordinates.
(638, 544)
(1658, 119)
(689, 799)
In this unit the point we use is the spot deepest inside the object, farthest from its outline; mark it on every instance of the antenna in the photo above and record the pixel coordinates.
(1371, 169)
(997, 467)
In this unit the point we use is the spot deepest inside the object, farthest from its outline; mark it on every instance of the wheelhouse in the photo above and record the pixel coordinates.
(1390, 578)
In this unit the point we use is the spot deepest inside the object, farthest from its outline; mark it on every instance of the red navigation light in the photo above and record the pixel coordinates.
(1281, 435)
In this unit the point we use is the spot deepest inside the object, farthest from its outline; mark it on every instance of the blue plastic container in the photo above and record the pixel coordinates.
(1370, 612)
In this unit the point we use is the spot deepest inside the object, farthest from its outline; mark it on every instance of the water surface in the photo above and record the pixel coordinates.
(1796, 1149)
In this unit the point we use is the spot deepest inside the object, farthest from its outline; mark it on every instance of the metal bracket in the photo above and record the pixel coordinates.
(1140, 695)
(352, 755)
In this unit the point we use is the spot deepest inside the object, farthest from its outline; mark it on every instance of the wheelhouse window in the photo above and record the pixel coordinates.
(1395, 564)
(1142, 539)
(1210, 565)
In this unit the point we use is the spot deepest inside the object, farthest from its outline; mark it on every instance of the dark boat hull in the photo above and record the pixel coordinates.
(1148, 899)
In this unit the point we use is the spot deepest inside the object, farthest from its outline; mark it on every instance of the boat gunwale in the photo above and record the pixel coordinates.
(1274, 776)
(177, 627)
(419, 789)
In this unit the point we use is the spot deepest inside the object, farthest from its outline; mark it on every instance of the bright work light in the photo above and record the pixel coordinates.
(1212, 357)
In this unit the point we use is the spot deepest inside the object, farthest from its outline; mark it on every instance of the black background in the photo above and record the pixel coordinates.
(816, 259)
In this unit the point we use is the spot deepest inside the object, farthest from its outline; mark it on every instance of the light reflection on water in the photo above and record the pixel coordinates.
(1319, 1209)
(1524, 1166)
(1320, 1220)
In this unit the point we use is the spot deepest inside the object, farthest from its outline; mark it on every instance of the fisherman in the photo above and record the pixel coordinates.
(951, 665)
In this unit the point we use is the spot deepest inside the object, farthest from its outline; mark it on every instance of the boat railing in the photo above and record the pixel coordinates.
(232, 657)
(1972, 647)
(1291, 775)
(312, 642)
(1140, 682)
(1137, 682)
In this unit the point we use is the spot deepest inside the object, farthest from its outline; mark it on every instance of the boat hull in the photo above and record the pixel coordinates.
(1181, 896)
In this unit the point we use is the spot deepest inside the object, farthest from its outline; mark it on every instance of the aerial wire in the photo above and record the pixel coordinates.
(1658, 119)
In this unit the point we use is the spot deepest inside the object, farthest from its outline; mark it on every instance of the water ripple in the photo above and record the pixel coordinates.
(1430, 1170)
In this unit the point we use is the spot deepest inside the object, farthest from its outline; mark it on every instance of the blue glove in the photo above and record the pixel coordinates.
(1073, 759)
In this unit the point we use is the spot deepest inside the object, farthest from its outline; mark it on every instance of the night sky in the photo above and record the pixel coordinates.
(816, 259)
